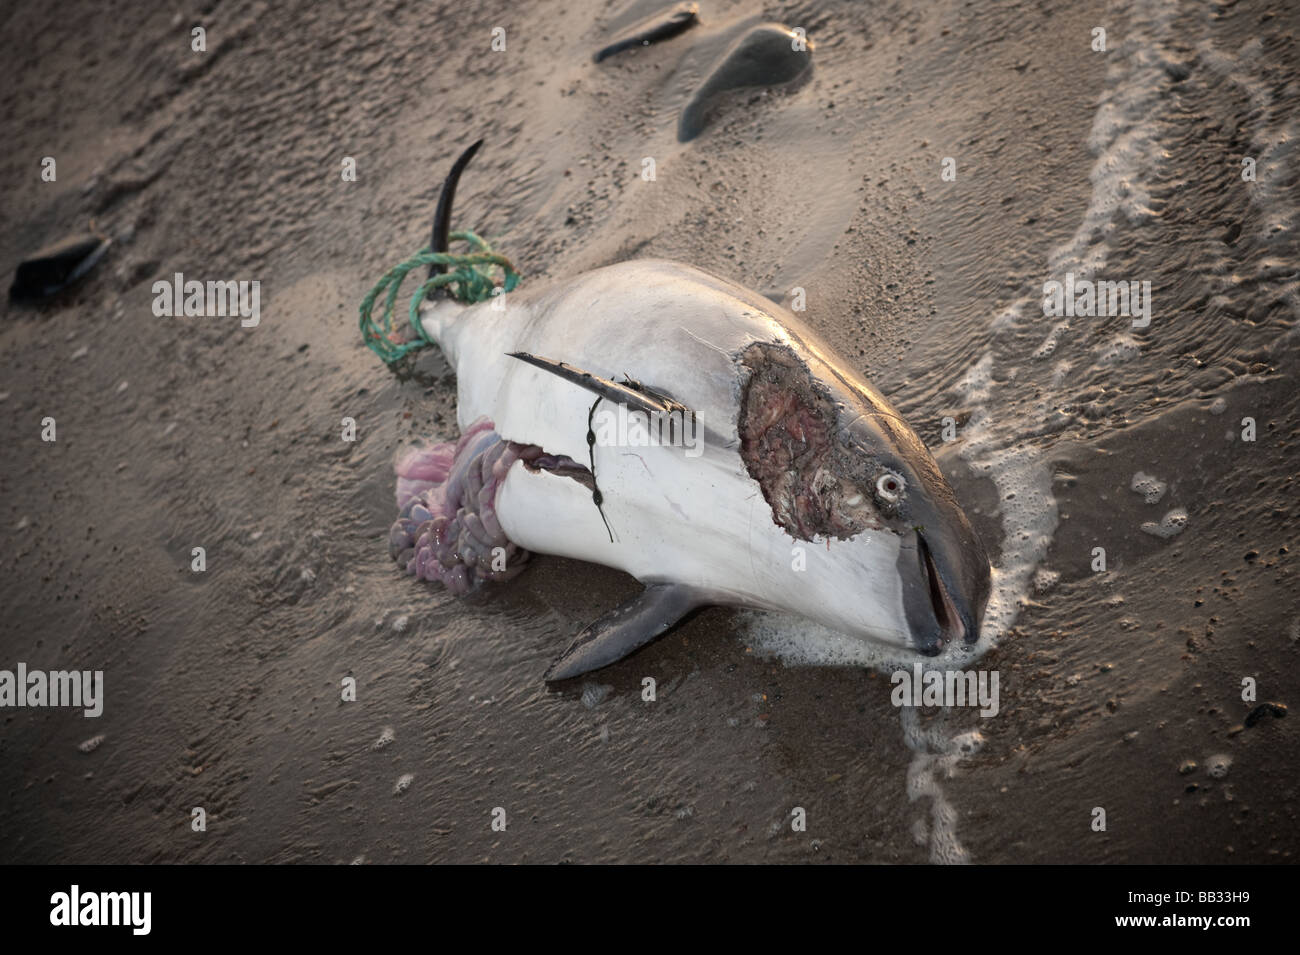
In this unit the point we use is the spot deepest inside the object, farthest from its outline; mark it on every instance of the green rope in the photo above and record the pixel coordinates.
(469, 280)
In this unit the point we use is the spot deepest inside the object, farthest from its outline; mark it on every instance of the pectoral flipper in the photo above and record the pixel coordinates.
(624, 629)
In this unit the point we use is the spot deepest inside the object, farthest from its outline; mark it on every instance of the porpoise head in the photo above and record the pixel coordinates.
(837, 462)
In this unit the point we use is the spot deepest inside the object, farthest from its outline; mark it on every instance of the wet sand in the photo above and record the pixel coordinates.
(223, 688)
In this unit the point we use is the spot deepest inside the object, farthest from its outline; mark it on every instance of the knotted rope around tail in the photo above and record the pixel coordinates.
(468, 279)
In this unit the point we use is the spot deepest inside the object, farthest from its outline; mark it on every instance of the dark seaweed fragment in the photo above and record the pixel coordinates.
(1276, 710)
(50, 270)
(679, 19)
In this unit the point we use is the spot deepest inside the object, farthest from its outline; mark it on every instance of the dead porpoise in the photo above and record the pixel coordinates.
(778, 478)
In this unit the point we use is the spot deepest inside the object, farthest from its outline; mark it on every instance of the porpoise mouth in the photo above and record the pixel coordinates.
(951, 627)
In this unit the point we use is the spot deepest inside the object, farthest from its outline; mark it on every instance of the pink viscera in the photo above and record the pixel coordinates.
(447, 528)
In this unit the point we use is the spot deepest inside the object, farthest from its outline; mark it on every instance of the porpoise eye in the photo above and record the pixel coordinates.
(890, 486)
